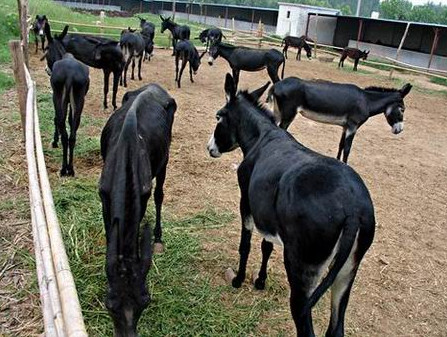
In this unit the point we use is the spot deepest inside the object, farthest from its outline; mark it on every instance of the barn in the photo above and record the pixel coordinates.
(423, 44)
(292, 18)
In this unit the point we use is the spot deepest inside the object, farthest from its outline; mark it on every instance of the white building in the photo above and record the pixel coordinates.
(292, 18)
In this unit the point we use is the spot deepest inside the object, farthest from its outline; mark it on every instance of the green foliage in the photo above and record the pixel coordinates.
(404, 10)
(9, 27)
(348, 7)
(395, 9)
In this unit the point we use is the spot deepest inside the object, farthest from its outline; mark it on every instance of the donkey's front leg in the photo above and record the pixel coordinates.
(244, 246)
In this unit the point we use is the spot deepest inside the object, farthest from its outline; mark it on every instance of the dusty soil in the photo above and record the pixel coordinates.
(401, 289)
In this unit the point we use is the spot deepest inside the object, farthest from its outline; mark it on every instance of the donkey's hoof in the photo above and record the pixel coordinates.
(229, 276)
(259, 284)
(70, 172)
(158, 248)
(54, 145)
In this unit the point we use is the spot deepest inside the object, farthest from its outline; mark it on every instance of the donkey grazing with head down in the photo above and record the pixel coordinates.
(336, 103)
(353, 53)
(317, 208)
(38, 29)
(70, 83)
(297, 42)
(178, 32)
(248, 59)
(187, 53)
(135, 149)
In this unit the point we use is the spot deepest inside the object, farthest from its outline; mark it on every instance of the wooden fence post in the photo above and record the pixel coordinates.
(23, 14)
(260, 32)
(102, 16)
(19, 75)
(400, 47)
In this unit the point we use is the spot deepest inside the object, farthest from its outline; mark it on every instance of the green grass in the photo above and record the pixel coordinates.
(440, 81)
(185, 300)
(6, 82)
(61, 13)
(185, 303)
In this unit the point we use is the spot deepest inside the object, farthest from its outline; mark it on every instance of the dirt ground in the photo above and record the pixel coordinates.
(401, 289)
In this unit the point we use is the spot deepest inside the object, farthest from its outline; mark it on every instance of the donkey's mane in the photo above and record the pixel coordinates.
(258, 105)
(381, 89)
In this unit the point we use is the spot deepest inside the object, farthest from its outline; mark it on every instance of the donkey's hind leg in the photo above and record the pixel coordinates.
(350, 133)
(181, 70)
(267, 248)
(273, 73)
(158, 200)
(56, 134)
(139, 66)
(341, 144)
(132, 77)
(340, 291)
(302, 280)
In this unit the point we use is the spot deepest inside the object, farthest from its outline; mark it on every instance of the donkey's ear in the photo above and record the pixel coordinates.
(162, 18)
(256, 94)
(47, 30)
(44, 17)
(405, 90)
(230, 88)
(64, 32)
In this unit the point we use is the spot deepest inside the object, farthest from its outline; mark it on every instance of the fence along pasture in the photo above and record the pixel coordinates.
(62, 316)
(60, 304)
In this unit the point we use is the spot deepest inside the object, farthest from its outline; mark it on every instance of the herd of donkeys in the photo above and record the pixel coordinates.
(316, 208)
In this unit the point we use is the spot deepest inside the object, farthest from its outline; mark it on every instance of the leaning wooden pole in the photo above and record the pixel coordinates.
(400, 46)
(19, 75)
(434, 46)
(47, 310)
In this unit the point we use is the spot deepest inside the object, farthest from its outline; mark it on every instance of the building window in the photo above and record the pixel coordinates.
(288, 14)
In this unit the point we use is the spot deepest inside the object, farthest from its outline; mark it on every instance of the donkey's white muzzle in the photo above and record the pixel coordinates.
(210, 61)
(397, 128)
(212, 148)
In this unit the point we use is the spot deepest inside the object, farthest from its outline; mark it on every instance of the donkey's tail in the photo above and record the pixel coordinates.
(346, 243)
(127, 50)
(269, 98)
(126, 191)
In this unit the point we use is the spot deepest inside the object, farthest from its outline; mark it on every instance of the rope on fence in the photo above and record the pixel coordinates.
(60, 305)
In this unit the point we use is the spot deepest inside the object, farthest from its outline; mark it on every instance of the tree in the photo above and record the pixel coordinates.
(395, 9)
(425, 13)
